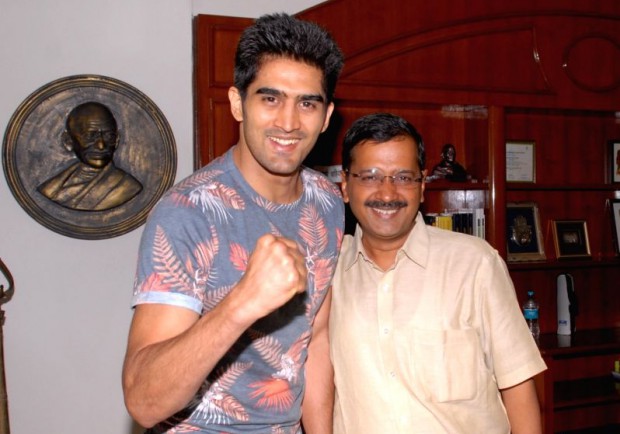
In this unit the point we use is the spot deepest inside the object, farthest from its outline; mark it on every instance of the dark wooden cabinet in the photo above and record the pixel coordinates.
(581, 395)
(478, 74)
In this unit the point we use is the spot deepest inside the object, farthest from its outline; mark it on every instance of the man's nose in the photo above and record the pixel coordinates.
(100, 142)
(288, 117)
(387, 188)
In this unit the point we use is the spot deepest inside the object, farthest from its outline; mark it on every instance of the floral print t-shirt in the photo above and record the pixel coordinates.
(195, 248)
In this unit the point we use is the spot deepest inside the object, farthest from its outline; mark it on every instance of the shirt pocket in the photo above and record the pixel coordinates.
(447, 364)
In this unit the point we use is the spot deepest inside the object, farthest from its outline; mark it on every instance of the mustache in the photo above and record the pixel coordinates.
(393, 204)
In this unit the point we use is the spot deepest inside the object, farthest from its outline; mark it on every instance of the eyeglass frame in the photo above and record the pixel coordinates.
(380, 177)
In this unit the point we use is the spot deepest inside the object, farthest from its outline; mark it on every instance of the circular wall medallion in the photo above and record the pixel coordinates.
(592, 63)
(88, 156)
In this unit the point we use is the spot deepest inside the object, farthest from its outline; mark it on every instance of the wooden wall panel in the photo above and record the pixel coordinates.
(520, 54)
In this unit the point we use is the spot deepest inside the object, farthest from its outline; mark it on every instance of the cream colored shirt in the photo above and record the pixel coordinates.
(425, 346)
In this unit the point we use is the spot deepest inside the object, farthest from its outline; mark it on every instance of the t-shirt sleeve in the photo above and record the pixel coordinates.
(174, 256)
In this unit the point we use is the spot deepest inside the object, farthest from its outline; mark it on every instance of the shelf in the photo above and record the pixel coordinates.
(609, 429)
(564, 264)
(586, 391)
(446, 185)
(561, 187)
(581, 342)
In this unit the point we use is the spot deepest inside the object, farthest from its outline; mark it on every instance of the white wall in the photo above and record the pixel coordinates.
(66, 327)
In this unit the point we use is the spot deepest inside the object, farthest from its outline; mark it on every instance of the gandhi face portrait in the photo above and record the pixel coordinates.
(92, 134)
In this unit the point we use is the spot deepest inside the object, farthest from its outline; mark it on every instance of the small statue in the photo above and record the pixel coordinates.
(448, 168)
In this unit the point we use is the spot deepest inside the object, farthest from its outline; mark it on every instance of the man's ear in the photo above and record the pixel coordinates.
(343, 186)
(236, 103)
(328, 115)
(67, 141)
(423, 186)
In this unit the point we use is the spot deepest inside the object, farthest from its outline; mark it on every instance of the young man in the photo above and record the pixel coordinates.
(426, 333)
(231, 296)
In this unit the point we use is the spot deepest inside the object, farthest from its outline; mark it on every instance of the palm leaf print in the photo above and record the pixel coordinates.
(266, 204)
(232, 408)
(320, 190)
(203, 272)
(154, 282)
(312, 229)
(199, 178)
(206, 251)
(239, 256)
(322, 271)
(214, 297)
(227, 376)
(274, 230)
(273, 393)
(217, 405)
(216, 199)
(339, 236)
(268, 347)
(295, 352)
(168, 265)
(278, 429)
(181, 200)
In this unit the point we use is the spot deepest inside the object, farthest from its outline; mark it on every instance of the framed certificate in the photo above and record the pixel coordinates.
(520, 161)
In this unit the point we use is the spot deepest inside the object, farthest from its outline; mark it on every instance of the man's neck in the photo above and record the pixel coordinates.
(384, 256)
(280, 189)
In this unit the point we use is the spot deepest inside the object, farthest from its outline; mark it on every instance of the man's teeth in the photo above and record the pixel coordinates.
(285, 142)
(385, 211)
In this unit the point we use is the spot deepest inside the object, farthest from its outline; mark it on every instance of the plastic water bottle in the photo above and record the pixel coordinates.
(530, 311)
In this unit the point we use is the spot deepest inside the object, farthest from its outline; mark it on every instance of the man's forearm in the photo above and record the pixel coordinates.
(162, 377)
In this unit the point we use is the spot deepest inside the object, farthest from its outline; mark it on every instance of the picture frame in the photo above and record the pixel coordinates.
(520, 161)
(41, 162)
(523, 233)
(614, 206)
(613, 161)
(571, 239)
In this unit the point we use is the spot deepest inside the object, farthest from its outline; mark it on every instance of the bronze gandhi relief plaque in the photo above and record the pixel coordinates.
(88, 156)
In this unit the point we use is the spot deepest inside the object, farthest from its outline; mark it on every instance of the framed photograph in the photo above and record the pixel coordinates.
(520, 161)
(523, 233)
(88, 156)
(615, 220)
(614, 161)
(571, 239)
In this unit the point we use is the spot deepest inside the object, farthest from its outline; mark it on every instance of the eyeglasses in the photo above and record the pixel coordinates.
(375, 177)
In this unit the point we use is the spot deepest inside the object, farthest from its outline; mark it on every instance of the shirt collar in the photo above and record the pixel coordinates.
(416, 247)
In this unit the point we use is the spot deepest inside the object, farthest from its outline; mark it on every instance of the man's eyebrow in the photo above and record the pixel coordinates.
(268, 91)
(316, 98)
(276, 92)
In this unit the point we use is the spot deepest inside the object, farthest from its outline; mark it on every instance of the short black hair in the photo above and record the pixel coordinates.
(379, 127)
(281, 35)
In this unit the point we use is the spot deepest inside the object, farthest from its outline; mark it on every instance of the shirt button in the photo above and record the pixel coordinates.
(392, 374)
(385, 287)
(386, 331)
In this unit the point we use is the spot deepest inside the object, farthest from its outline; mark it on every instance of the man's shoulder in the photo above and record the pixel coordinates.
(203, 176)
(447, 239)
